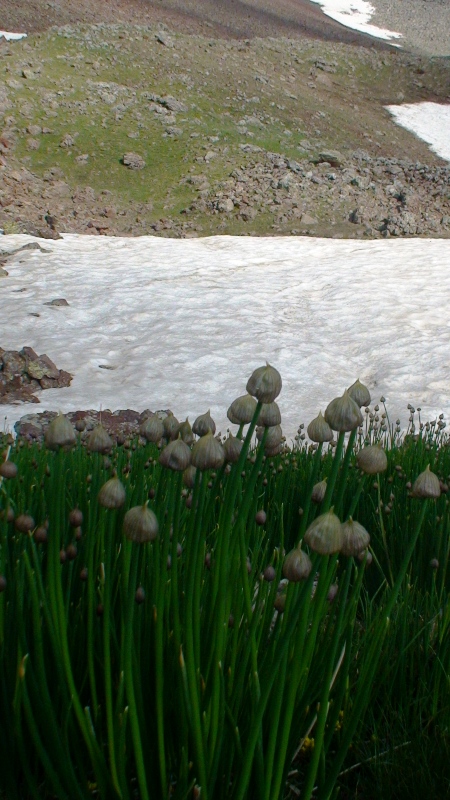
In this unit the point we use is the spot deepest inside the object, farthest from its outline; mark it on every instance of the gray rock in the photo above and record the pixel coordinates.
(59, 301)
(332, 157)
(133, 161)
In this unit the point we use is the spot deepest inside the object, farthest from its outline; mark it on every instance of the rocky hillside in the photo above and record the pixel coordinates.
(132, 129)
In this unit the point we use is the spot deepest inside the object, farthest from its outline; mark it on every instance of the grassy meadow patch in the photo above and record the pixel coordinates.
(187, 615)
(90, 90)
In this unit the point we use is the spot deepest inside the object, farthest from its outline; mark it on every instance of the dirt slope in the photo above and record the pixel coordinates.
(214, 18)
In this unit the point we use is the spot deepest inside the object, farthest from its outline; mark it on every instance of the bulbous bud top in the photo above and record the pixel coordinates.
(8, 469)
(170, 426)
(176, 456)
(99, 441)
(140, 524)
(152, 429)
(60, 433)
(232, 448)
(112, 494)
(426, 484)
(318, 430)
(325, 535)
(372, 459)
(185, 431)
(319, 491)
(242, 410)
(265, 384)
(269, 415)
(356, 538)
(274, 436)
(359, 393)
(207, 453)
(297, 565)
(189, 476)
(343, 414)
(204, 424)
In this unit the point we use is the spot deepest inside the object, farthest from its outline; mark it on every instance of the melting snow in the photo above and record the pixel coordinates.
(429, 121)
(9, 36)
(181, 324)
(355, 14)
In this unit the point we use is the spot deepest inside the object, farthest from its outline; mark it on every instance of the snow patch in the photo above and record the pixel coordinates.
(185, 322)
(355, 14)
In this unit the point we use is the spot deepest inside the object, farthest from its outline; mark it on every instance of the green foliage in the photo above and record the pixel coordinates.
(146, 670)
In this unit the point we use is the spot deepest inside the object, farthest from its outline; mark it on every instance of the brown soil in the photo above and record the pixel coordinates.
(214, 18)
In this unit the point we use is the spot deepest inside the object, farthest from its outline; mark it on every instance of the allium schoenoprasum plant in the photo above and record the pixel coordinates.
(188, 615)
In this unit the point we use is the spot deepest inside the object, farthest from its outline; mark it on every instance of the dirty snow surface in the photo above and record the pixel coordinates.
(181, 324)
(356, 14)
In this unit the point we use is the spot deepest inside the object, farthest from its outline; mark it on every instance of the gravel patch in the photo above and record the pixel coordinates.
(425, 24)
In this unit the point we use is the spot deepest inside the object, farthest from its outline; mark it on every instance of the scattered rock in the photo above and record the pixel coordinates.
(133, 161)
(59, 301)
(23, 372)
(332, 157)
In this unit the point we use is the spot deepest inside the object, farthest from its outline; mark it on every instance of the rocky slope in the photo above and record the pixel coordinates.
(133, 129)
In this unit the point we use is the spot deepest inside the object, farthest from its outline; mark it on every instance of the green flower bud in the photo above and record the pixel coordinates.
(204, 424)
(60, 433)
(242, 410)
(319, 491)
(185, 431)
(343, 414)
(297, 565)
(99, 441)
(207, 453)
(112, 494)
(232, 447)
(176, 456)
(325, 535)
(318, 430)
(265, 384)
(372, 459)
(426, 484)
(140, 525)
(356, 538)
(359, 393)
(152, 429)
(269, 415)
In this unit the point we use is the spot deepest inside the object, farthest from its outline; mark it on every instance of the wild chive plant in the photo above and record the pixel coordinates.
(172, 626)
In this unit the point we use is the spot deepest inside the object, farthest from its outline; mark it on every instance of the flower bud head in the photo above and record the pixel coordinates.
(343, 414)
(265, 384)
(24, 523)
(185, 432)
(318, 430)
(170, 426)
(207, 453)
(99, 441)
(59, 433)
(372, 459)
(356, 538)
(176, 456)
(273, 438)
(242, 410)
(426, 484)
(152, 429)
(269, 415)
(112, 494)
(140, 524)
(325, 535)
(297, 565)
(8, 469)
(359, 393)
(204, 424)
(319, 491)
(189, 476)
(232, 448)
